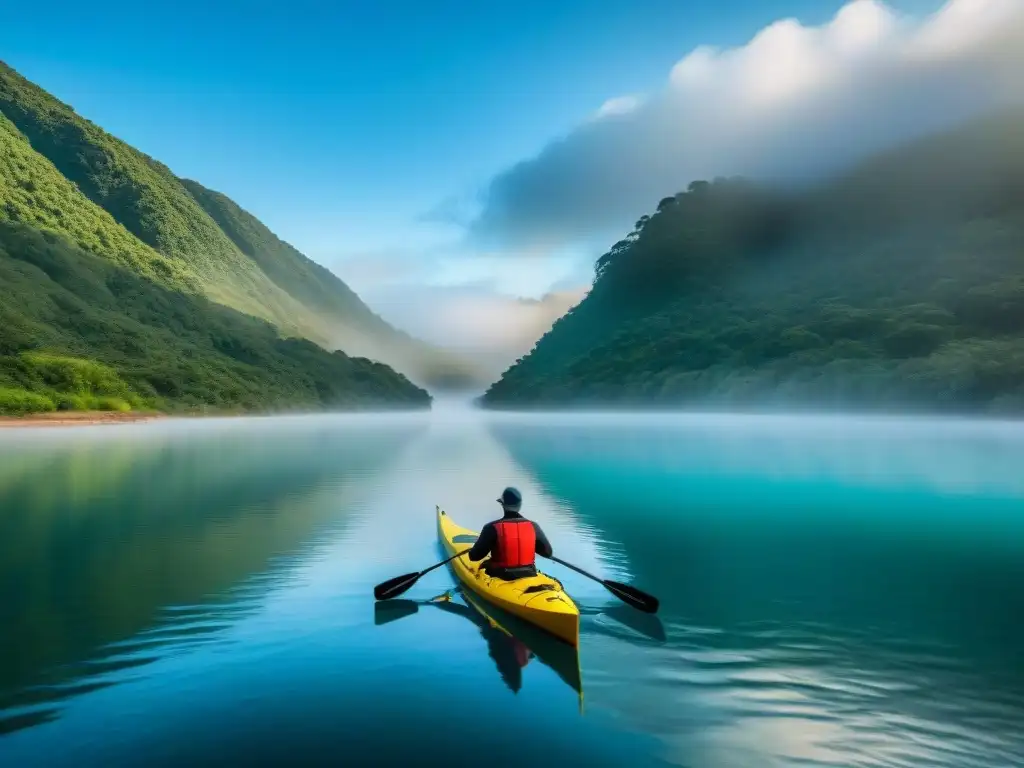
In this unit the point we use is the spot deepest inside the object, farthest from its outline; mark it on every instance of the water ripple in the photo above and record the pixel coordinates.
(180, 629)
(832, 595)
(814, 696)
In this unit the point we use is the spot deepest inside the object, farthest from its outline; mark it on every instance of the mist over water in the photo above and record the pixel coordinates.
(835, 590)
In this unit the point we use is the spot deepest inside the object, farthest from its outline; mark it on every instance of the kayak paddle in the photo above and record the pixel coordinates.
(398, 585)
(627, 594)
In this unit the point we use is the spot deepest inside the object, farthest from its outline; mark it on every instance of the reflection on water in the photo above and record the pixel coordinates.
(115, 554)
(833, 592)
(511, 643)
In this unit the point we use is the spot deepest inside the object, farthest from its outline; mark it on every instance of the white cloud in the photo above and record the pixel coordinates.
(620, 105)
(515, 276)
(491, 309)
(487, 326)
(383, 266)
(477, 321)
(526, 273)
(794, 103)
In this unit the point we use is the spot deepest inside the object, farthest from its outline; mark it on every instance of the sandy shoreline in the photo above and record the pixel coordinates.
(78, 418)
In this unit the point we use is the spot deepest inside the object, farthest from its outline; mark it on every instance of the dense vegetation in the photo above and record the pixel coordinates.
(167, 294)
(900, 285)
(34, 192)
(145, 198)
(77, 331)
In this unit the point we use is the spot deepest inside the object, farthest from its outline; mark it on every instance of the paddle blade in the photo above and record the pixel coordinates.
(632, 596)
(396, 586)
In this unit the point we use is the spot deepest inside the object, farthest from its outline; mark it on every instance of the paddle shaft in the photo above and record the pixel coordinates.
(443, 562)
(635, 597)
(573, 567)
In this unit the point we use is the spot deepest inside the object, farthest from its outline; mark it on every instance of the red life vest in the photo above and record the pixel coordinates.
(517, 544)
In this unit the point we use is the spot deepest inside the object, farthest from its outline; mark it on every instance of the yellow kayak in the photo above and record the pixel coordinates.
(539, 600)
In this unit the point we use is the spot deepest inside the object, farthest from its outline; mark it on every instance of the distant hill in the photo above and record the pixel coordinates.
(897, 286)
(108, 258)
(338, 317)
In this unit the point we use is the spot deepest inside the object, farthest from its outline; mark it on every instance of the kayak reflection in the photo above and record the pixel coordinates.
(511, 642)
(510, 654)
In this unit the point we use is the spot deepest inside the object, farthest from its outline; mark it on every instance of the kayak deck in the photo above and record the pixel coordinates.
(539, 599)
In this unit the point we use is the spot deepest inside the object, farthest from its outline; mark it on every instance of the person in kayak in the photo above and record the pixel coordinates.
(512, 542)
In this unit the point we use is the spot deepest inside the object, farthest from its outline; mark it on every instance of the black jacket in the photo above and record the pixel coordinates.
(489, 540)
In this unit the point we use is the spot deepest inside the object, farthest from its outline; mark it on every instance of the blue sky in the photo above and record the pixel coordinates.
(341, 124)
(338, 124)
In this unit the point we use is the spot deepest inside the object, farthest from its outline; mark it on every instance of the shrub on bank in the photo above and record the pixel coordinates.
(18, 402)
(39, 383)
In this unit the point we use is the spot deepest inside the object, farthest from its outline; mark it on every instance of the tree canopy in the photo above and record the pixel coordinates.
(898, 285)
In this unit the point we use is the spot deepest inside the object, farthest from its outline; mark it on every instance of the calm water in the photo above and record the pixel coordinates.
(834, 592)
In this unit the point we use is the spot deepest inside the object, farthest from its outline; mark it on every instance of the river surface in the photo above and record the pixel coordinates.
(835, 591)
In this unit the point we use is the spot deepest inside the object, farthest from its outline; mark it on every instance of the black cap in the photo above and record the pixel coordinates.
(511, 499)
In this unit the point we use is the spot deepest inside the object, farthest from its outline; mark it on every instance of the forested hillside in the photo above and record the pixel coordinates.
(345, 321)
(898, 286)
(107, 258)
(78, 332)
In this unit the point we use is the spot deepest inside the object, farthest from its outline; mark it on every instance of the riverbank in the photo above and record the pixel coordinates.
(78, 418)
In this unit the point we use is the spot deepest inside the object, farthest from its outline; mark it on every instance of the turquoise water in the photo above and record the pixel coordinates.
(834, 592)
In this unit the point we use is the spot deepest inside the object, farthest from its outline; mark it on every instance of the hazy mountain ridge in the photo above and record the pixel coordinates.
(897, 285)
(343, 320)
